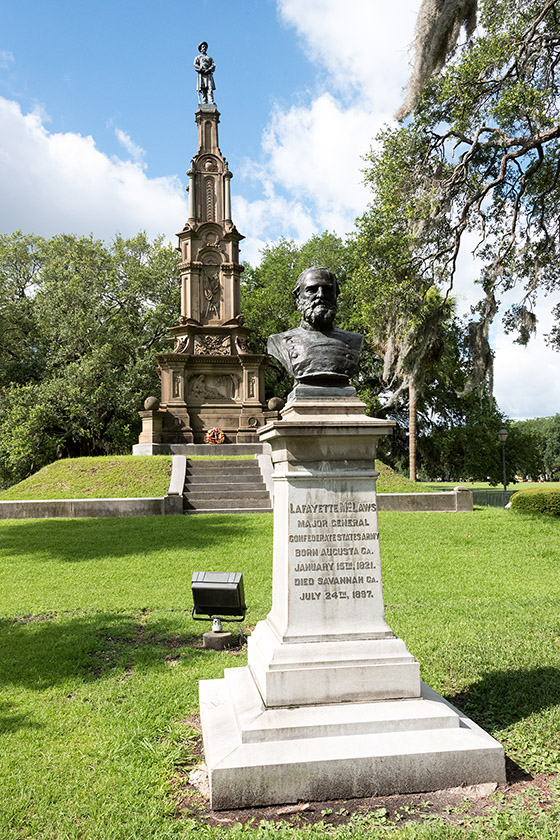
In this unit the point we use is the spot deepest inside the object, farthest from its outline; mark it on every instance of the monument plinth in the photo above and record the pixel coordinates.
(331, 704)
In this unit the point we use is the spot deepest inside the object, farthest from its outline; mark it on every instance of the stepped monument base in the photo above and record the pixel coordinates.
(331, 704)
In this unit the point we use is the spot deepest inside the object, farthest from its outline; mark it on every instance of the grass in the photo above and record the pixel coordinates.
(390, 481)
(115, 476)
(99, 662)
(484, 485)
(125, 476)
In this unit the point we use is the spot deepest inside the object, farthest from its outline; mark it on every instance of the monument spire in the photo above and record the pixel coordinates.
(210, 379)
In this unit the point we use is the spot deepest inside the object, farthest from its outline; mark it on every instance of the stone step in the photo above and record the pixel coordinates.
(228, 486)
(259, 493)
(218, 475)
(229, 505)
(230, 481)
(220, 466)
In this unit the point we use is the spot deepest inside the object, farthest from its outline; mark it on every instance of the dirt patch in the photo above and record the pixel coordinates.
(453, 805)
(27, 619)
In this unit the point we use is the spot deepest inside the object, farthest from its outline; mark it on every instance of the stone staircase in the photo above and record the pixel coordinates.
(225, 486)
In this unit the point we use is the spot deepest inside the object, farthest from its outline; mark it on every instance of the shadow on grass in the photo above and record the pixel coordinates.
(502, 698)
(40, 654)
(10, 722)
(75, 540)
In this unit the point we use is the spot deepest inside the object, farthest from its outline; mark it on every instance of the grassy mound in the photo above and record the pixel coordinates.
(390, 481)
(537, 500)
(109, 477)
(127, 476)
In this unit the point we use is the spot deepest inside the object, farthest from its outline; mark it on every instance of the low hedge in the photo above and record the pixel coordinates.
(537, 500)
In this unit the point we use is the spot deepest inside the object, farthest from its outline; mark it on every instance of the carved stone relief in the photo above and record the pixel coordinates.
(211, 292)
(222, 387)
(181, 344)
(176, 388)
(210, 200)
(212, 345)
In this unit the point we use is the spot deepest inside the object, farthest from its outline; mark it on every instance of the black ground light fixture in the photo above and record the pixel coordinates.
(218, 596)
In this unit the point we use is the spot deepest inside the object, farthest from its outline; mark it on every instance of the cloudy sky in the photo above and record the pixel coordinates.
(97, 104)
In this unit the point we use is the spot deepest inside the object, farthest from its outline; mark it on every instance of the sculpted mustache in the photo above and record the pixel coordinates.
(315, 304)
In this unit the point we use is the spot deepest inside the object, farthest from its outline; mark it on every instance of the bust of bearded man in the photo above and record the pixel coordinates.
(316, 352)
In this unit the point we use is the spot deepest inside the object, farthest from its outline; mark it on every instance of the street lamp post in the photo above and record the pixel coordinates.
(502, 437)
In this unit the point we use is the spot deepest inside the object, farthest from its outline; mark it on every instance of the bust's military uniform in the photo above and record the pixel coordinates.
(310, 355)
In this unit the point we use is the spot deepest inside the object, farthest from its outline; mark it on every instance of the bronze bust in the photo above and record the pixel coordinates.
(316, 352)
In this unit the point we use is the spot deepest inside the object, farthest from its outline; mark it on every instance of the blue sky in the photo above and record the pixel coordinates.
(97, 130)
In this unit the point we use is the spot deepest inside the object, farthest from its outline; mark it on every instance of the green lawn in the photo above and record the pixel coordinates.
(484, 485)
(100, 661)
(109, 477)
(125, 476)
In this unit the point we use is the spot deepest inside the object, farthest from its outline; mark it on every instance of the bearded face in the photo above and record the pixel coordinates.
(317, 312)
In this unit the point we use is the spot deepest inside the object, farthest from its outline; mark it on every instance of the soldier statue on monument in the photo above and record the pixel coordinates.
(205, 66)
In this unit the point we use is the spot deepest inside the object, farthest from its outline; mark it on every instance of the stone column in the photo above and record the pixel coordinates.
(331, 705)
(192, 212)
(151, 426)
(227, 196)
(327, 607)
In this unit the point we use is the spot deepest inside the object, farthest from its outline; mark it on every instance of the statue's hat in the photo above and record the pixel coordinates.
(203, 44)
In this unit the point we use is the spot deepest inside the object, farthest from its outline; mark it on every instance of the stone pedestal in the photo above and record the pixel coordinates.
(151, 426)
(331, 704)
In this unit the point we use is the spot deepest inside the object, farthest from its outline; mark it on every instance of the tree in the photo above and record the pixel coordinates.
(82, 324)
(543, 441)
(489, 130)
(406, 318)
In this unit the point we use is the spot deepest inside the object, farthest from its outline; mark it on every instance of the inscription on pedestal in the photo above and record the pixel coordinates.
(334, 572)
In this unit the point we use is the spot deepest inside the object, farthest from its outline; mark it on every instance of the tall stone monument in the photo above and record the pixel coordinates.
(331, 704)
(210, 379)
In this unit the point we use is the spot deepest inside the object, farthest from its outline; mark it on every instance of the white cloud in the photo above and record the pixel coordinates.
(526, 379)
(135, 151)
(313, 153)
(54, 182)
(317, 152)
(268, 221)
(311, 156)
(363, 44)
(6, 59)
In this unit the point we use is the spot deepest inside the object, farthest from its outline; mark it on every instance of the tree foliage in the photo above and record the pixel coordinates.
(543, 444)
(437, 30)
(81, 323)
(487, 132)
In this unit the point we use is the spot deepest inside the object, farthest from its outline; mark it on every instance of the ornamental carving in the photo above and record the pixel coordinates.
(212, 345)
(181, 344)
(211, 292)
(208, 387)
(242, 343)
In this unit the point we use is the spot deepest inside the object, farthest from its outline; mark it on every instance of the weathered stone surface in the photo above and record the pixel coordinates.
(257, 756)
(331, 704)
(213, 640)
